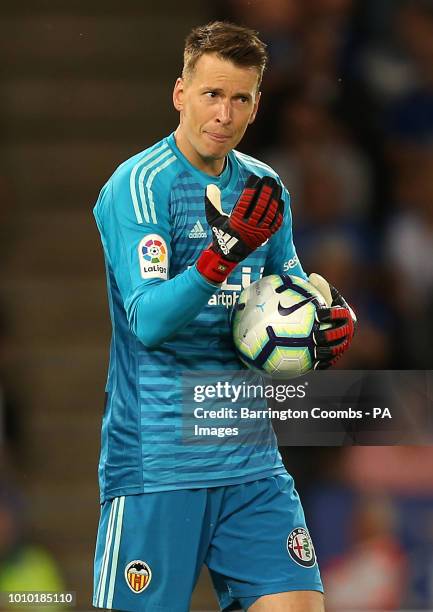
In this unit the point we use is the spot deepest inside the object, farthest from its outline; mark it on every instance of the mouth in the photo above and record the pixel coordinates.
(218, 137)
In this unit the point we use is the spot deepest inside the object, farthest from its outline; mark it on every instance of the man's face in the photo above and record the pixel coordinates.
(216, 102)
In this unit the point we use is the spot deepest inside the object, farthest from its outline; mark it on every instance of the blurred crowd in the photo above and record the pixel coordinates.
(25, 565)
(346, 119)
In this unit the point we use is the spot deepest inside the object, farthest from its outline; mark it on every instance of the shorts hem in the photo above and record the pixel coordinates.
(256, 592)
(316, 586)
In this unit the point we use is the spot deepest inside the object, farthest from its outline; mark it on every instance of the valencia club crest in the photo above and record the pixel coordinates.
(138, 576)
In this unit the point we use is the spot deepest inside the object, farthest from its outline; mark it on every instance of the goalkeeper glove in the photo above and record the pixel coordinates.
(332, 342)
(257, 215)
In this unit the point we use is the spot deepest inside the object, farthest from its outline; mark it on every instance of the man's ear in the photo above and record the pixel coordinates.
(178, 94)
(255, 108)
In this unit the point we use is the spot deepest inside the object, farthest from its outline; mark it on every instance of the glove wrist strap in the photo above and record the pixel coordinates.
(214, 267)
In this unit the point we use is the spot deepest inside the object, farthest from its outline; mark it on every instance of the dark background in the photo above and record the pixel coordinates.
(347, 120)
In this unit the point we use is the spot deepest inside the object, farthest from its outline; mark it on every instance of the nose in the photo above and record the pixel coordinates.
(224, 115)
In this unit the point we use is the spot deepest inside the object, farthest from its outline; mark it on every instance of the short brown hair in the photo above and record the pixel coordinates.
(239, 44)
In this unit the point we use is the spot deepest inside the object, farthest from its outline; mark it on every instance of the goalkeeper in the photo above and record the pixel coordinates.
(181, 223)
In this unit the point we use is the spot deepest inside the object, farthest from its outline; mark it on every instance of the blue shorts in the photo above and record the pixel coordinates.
(252, 537)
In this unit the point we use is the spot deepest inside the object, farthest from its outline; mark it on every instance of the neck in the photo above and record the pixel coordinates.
(211, 166)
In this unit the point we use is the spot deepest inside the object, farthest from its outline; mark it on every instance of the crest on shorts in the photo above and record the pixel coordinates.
(300, 547)
(138, 576)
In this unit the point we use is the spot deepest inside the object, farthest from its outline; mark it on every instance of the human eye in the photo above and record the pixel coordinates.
(243, 100)
(210, 94)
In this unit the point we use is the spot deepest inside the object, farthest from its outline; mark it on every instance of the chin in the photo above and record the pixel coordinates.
(219, 155)
(219, 152)
(214, 150)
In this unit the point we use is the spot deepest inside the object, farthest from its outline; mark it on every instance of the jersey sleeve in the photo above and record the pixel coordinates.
(282, 257)
(136, 237)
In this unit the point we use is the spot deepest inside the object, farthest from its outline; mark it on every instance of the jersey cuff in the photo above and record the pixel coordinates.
(205, 283)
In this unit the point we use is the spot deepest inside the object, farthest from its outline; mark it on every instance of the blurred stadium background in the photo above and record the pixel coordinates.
(347, 120)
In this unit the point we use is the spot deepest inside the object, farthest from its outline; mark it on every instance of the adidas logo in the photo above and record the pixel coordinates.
(198, 231)
(225, 241)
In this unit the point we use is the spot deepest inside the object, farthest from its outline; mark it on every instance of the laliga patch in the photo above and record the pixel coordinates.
(300, 547)
(138, 576)
(153, 257)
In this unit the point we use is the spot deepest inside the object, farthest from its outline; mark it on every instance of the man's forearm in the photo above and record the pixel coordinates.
(162, 309)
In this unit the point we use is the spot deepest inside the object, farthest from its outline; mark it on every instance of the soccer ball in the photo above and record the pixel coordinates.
(273, 324)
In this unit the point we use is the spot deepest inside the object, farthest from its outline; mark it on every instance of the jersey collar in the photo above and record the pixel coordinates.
(228, 177)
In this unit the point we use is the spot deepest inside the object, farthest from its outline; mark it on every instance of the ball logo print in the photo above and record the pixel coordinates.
(154, 251)
(300, 547)
(291, 309)
(138, 576)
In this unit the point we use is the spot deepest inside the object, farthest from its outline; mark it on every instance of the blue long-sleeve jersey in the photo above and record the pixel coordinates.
(167, 319)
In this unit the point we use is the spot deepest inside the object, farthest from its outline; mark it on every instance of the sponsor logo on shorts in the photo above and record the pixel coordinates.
(300, 547)
(138, 576)
(153, 257)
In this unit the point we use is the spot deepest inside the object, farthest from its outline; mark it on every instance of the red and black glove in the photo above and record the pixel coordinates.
(257, 215)
(332, 342)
